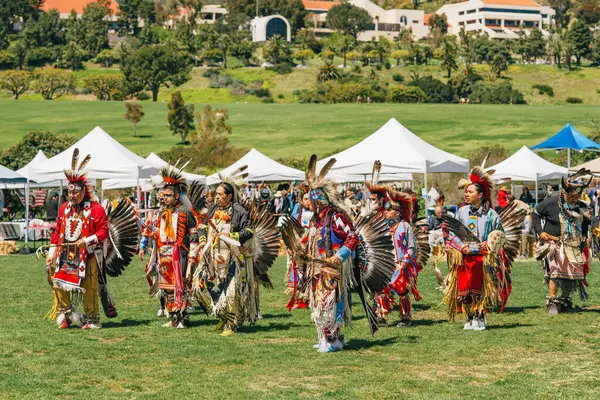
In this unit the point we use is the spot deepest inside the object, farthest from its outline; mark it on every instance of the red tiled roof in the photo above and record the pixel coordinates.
(522, 3)
(312, 5)
(66, 6)
(426, 19)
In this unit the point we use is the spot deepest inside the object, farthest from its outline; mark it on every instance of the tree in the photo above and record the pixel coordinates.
(555, 48)
(135, 113)
(328, 72)
(73, 54)
(562, 17)
(54, 83)
(131, 11)
(536, 44)
(449, 55)
(581, 38)
(106, 87)
(51, 143)
(499, 65)
(438, 24)
(588, 11)
(340, 44)
(46, 32)
(349, 19)
(125, 49)
(276, 49)
(303, 55)
(12, 11)
(466, 47)
(19, 50)
(95, 26)
(383, 48)
(212, 146)
(16, 82)
(154, 66)
(399, 55)
(181, 117)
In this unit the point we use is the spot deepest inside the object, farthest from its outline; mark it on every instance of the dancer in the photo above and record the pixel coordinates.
(175, 246)
(479, 252)
(80, 256)
(563, 243)
(336, 253)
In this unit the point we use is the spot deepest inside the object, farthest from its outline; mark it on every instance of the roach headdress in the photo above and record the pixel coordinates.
(320, 189)
(171, 176)
(401, 202)
(574, 184)
(484, 180)
(236, 180)
(77, 175)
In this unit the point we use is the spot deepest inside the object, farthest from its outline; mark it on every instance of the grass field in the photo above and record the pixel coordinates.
(281, 130)
(524, 354)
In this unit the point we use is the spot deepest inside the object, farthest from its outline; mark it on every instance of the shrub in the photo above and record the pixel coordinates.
(312, 96)
(209, 73)
(296, 92)
(356, 69)
(39, 57)
(398, 78)
(500, 94)
(387, 64)
(106, 87)
(544, 89)
(281, 68)
(280, 96)
(267, 100)
(435, 90)
(7, 60)
(574, 100)
(259, 92)
(378, 67)
(350, 93)
(106, 58)
(142, 96)
(407, 94)
(54, 83)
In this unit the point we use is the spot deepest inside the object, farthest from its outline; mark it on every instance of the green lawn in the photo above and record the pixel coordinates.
(281, 130)
(524, 353)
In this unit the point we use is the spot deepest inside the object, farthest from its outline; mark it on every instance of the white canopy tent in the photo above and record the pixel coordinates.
(28, 171)
(525, 165)
(8, 176)
(399, 150)
(109, 159)
(593, 165)
(260, 169)
(146, 184)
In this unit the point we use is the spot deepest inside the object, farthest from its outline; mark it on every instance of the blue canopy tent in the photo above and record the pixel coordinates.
(568, 138)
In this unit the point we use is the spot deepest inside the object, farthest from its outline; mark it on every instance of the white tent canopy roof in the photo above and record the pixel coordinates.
(525, 165)
(8, 175)
(110, 159)
(593, 165)
(146, 184)
(260, 169)
(399, 150)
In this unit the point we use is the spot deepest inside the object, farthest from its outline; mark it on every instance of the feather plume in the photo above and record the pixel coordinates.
(75, 159)
(325, 170)
(375, 176)
(85, 162)
(311, 170)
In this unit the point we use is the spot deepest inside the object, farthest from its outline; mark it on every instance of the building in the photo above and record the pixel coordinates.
(500, 19)
(386, 23)
(264, 28)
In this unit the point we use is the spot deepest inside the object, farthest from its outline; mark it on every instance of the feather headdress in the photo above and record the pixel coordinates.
(320, 188)
(77, 175)
(478, 176)
(574, 184)
(236, 180)
(374, 186)
(171, 175)
(403, 201)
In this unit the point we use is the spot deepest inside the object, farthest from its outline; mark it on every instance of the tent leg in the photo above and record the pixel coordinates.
(536, 191)
(569, 158)
(26, 249)
(425, 182)
(138, 192)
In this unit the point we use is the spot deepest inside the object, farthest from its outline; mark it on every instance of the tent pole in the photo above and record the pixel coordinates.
(138, 188)
(569, 158)
(425, 180)
(27, 216)
(536, 190)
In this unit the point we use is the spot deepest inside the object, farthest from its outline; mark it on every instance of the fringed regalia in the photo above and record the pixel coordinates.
(173, 233)
(79, 273)
(296, 270)
(565, 256)
(337, 254)
(239, 243)
(481, 246)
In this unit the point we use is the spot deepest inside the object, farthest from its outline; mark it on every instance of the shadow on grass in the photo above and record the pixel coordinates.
(363, 344)
(144, 136)
(200, 321)
(516, 310)
(126, 323)
(421, 307)
(267, 327)
(276, 316)
(590, 310)
(509, 326)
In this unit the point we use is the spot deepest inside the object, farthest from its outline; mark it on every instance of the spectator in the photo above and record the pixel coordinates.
(527, 237)
(435, 221)
(526, 196)
(352, 202)
(52, 207)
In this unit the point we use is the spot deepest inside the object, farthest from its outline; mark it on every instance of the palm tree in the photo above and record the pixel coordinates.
(328, 72)
(449, 56)
(499, 64)
(275, 48)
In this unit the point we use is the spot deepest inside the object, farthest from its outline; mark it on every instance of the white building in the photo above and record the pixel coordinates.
(500, 19)
(264, 28)
(387, 23)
